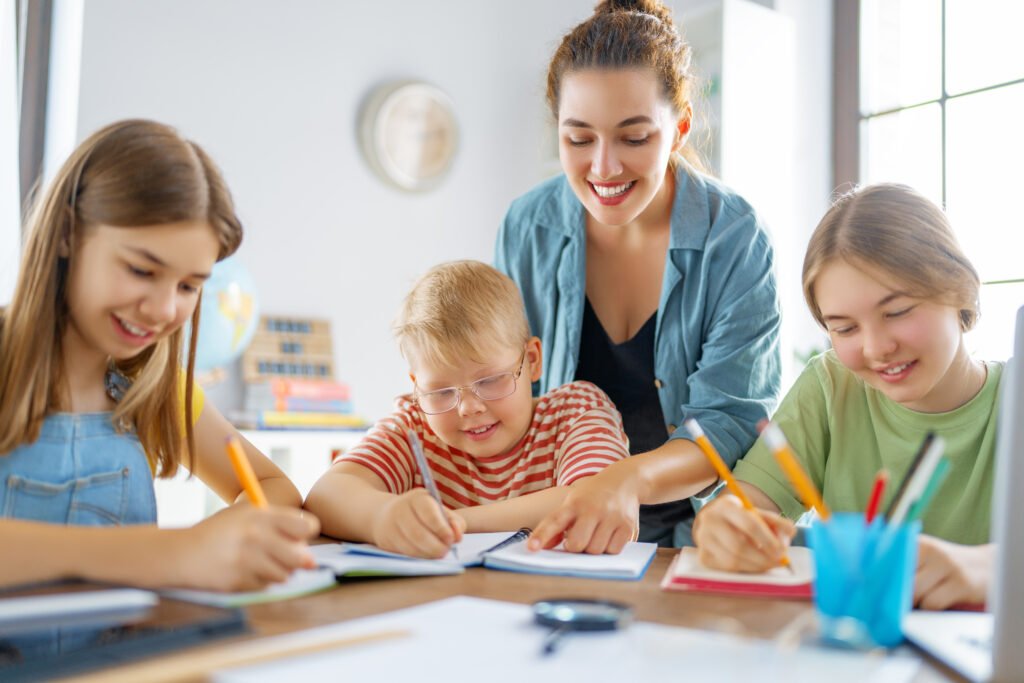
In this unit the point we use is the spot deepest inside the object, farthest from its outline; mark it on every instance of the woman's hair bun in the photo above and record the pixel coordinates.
(652, 7)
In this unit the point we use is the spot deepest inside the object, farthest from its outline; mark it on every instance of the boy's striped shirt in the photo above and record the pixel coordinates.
(575, 432)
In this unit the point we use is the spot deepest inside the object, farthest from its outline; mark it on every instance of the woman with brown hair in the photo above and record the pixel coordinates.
(643, 275)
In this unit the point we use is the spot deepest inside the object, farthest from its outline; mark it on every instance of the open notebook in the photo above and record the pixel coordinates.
(301, 582)
(502, 550)
(686, 573)
(350, 560)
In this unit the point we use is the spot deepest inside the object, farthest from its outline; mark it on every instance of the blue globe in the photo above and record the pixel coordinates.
(230, 313)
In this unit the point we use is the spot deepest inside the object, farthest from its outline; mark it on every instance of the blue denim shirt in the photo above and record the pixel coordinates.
(717, 338)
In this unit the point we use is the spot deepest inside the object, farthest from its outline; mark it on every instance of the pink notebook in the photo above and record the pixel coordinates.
(686, 573)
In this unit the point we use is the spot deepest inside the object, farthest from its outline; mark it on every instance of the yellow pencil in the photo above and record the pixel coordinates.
(243, 470)
(724, 473)
(806, 489)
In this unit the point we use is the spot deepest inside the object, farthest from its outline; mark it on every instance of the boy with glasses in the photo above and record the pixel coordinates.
(488, 441)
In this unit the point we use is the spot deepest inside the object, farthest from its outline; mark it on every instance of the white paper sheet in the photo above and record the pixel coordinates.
(471, 639)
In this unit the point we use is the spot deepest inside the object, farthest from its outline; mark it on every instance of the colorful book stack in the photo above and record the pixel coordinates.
(289, 375)
(301, 403)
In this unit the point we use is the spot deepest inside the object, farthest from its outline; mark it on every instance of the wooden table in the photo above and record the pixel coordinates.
(762, 618)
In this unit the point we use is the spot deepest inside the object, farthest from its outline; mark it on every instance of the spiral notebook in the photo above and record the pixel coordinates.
(501, 550)
(686, 573)
(354, 560)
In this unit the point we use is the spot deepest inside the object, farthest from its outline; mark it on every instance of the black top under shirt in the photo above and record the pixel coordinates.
(626, 373)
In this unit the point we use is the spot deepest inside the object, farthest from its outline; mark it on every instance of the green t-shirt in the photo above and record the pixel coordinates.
(844, 431)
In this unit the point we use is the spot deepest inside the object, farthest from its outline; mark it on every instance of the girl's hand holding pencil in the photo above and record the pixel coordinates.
(731, 533)
(241, 548)
(731, 538)
(244, 547)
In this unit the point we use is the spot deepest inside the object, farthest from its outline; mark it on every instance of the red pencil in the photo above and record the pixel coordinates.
(876, 495)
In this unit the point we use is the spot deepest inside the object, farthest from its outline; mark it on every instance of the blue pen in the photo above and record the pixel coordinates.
(428, 479)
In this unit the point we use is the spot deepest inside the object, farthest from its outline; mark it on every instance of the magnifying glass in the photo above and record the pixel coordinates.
(564, 615)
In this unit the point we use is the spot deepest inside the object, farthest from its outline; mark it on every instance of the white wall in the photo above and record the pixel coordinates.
(272, 90)
(812, 154)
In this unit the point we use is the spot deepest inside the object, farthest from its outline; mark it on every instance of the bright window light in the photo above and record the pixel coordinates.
(942, 100)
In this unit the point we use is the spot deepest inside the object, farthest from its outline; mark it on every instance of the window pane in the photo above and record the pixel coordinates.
(992, 337)
(900, 53)
(985, 179)
(983, 43)
(905, 147)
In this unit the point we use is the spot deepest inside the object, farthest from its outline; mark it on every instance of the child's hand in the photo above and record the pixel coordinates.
(950, 574)
(600, 514)
(732, 538)
(413, 524)
(243, 548)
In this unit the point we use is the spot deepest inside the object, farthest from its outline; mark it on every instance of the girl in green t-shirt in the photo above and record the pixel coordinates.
(886, 278)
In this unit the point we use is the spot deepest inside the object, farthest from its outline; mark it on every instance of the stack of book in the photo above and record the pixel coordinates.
(289, 378)
(281, 403)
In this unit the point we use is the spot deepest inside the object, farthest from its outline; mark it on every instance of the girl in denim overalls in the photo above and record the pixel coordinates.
(95, 397)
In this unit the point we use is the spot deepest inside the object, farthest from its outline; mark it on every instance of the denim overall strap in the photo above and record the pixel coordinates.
(79, 471)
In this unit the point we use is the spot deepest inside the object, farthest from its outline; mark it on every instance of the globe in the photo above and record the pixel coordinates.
(229, 316)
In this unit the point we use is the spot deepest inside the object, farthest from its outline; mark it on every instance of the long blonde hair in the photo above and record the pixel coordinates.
(128, 174)
(894, 230)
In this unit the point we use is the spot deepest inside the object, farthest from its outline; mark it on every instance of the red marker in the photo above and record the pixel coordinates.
(881, 479)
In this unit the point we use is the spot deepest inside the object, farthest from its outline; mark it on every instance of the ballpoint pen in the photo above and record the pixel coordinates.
(428, 479)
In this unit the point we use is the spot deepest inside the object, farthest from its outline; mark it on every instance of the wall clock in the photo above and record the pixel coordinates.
(409, 134)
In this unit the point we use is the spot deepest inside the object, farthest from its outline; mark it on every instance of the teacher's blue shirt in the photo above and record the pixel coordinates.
(716, 349)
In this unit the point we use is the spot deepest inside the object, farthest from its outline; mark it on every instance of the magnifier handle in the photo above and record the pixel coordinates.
(552, 639)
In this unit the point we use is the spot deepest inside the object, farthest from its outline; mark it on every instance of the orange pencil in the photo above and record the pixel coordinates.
(724, 473)
(243, 470)
(787, 461)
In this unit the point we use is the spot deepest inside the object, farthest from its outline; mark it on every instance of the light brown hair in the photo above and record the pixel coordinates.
(461, 310)
(629, 34)
(129, 174)
(894, 230)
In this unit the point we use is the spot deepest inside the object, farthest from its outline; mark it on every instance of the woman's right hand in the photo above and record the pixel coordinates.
(732, 538)
(243, 548)
(412, 524)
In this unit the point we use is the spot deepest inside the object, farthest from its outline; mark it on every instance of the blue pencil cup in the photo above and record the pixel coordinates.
(864, 583)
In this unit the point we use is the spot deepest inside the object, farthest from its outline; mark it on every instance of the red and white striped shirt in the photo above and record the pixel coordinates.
(576, 432)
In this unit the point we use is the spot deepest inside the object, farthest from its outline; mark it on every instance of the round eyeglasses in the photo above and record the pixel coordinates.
(487, 388)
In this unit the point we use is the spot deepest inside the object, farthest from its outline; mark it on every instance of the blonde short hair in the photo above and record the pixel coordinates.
(894, 230)
(461, 310)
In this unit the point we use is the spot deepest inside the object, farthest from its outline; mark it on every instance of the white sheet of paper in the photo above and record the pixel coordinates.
(801, 559)
(465, 638)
